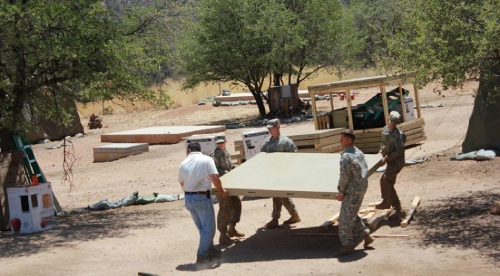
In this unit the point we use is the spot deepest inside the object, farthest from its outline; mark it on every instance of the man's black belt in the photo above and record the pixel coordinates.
(196, 193)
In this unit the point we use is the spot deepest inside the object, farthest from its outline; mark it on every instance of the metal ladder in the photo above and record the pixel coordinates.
(31, 166)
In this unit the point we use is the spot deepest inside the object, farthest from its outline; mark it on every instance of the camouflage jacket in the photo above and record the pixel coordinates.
(393, 145)
(280, 144)
(222, 161)
(353, 178)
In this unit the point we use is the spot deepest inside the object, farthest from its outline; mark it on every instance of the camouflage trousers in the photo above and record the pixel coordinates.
(278, 202)
(387, 182)
(229, 212)
(349, 221)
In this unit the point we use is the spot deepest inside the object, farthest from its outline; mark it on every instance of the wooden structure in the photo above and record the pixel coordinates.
(368, 140)
(286, 174)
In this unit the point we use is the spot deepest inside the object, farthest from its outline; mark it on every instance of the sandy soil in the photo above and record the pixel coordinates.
(452, 233)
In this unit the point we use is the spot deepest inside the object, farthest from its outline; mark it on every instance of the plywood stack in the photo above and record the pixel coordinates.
(369, 140)
(318, 141)
(325, 120)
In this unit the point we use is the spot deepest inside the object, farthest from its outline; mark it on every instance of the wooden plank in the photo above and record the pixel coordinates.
(349, 107)
(373, 204)
(314, 109)
(381, 216)
(327, 141)
(331, 221)
(317, 134)
(417, 101)
(384, 103)
(403, 126)
(414, 204)
(402, 101)
(325, 149)
(354, 83)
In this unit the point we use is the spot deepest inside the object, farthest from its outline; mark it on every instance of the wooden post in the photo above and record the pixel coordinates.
(331, 102)
(402, 101)
(417, 101)
(384, 103)
(349, 109)
(314, 111)
(413, 209)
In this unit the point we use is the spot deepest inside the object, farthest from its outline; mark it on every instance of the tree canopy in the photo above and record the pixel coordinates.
(455, 41)
(247, 41)
(79, 49)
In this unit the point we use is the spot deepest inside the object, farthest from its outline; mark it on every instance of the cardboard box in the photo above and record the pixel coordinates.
(410, 109)
(253, 141)
(31, 208)
(206, 141)
(340, 118)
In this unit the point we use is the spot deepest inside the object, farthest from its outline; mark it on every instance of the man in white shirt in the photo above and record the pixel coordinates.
(196, 173)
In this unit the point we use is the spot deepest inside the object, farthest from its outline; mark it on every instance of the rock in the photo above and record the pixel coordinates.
(495, 209)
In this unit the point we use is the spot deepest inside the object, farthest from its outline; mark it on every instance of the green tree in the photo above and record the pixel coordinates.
(248, 40)
(455, 41)
(79, 49)
(374, 20)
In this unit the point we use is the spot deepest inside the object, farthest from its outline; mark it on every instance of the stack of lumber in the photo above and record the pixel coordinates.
(325, 120)
(317, 141)
(369, 140)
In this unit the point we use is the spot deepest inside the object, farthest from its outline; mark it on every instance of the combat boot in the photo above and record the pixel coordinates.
(345, 250)
(272, 224)
(368, 240)
(383, 205)
(232, 232)
(224, 239)
(293, 219)
(400, 213)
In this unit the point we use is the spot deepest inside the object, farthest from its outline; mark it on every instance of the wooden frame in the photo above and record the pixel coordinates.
(347, 85)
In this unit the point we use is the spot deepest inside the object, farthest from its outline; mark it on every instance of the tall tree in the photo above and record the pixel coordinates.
(248, 40)
(79, 49)
(455, 41)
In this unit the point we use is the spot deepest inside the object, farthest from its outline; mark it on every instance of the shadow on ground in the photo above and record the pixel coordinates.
(76, 228)
(464, 221)
(287, 243)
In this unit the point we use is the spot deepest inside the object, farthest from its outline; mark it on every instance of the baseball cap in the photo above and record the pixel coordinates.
(220, 140)
(394, 117)
(272, 123)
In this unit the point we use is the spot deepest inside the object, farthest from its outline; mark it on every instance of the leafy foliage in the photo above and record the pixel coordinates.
(248, 40)
(79, 49)
(450, 40)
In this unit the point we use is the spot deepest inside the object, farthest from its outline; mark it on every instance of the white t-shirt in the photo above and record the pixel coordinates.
(195, 172)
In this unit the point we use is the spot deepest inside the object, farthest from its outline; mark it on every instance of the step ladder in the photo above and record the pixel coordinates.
(31, 166)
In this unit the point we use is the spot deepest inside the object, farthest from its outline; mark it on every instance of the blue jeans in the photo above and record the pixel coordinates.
(203, 214)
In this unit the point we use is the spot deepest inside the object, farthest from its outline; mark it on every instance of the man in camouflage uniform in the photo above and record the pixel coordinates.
(393, 152)
(353, 182)
(279, 143)
(229, 208)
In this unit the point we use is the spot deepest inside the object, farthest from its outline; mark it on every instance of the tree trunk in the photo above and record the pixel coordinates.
(260, 103)
(6, 140)
(484, 122)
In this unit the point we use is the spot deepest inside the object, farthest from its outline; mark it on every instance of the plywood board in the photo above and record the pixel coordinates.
(116, 151)
(304, 175)
(159, 135)
(248, 96)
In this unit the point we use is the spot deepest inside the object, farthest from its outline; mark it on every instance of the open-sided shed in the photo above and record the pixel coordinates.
(369, 139)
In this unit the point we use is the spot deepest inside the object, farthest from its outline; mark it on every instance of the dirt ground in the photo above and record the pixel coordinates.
(451, 234)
